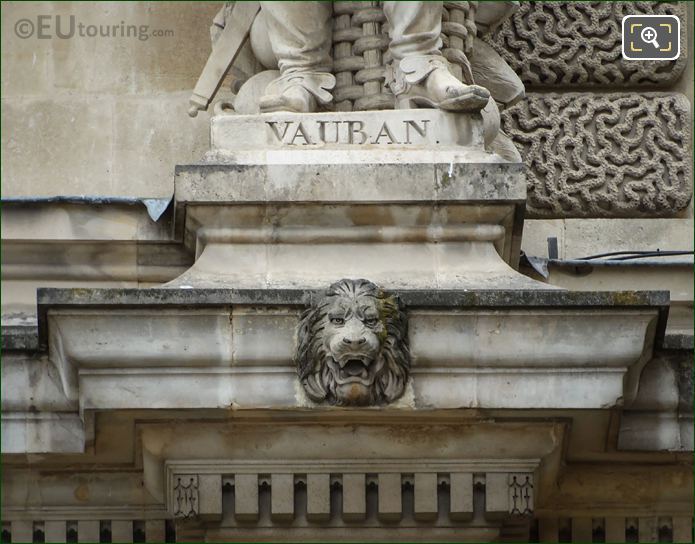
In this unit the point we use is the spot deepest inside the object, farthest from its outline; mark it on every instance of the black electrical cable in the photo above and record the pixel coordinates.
(636, 254)
(652, 254)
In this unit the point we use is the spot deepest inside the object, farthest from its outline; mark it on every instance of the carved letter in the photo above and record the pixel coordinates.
(386, 133)
(422, 132)
(352, 130)
(322, 131)
(276, 131)
(301, 133)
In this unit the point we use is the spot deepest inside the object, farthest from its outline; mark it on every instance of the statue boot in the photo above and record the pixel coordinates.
(298, 92)
(425, 81)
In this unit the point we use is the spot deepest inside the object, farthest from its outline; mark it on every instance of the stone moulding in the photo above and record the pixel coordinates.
(202, 349)
(331, 181)
(44, 432)
(508, 486)
(604, 155)
(554, 44)
(294, 235)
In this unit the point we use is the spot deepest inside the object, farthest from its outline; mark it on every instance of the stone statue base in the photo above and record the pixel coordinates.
(409, 199)
(386, 136)
(404, 226)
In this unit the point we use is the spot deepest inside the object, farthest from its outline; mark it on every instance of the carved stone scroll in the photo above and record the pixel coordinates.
(571, 43)
(612, 155)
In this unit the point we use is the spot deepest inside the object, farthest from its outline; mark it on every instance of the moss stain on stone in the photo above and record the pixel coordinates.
(445, 180)
(627, 298)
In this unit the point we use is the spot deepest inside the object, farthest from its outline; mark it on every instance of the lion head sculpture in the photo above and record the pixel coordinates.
(353, 346)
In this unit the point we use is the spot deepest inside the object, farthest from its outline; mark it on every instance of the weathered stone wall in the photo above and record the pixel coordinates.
(101, 115)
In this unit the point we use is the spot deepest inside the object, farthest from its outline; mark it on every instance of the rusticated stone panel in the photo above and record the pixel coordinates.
(570, 43)
(604, 155)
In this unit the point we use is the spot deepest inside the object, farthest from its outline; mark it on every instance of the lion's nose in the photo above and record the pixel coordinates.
(350, 341)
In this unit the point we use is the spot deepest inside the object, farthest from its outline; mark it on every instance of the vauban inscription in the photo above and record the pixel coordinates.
(349, 132)
(367, 131)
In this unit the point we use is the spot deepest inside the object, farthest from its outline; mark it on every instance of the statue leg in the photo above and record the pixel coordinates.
(415, 28)
(300, 36)
(420, 76)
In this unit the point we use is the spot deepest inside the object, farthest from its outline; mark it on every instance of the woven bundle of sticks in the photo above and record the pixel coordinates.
(360, 51)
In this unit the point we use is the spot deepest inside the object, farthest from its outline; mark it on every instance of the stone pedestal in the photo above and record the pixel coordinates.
(279, 204)
(405, 226)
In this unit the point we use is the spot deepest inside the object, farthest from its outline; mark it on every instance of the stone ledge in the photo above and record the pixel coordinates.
(678, 342)
(43, 432)
(58, 298)
(166, 348)
(19, 338)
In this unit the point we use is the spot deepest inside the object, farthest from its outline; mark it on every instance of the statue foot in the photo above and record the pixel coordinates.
(298, 92)
(426, 82)
(295, 99)
(448, 93)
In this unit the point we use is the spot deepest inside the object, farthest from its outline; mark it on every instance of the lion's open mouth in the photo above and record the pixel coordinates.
(353, 369)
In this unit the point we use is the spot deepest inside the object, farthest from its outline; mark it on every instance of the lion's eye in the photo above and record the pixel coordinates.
(371, 321)
(337, 320)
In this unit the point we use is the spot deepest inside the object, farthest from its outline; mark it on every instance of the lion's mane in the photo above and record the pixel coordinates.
(314, 373)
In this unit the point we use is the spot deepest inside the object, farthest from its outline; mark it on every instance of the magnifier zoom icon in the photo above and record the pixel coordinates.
(648, 35)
